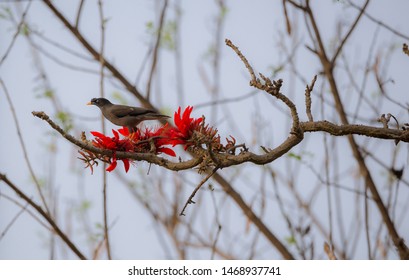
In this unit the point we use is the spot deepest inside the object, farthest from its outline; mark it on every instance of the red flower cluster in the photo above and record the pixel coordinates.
(184, 128)
(113, 143)
(149, 140)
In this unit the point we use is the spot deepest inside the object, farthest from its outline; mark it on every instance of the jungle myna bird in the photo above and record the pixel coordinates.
(125, 115)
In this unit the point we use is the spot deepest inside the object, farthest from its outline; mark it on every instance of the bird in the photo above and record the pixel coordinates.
(126, 116)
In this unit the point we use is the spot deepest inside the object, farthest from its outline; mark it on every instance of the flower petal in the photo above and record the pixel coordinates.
(112, 165)
(116, 135)
(167, 151)
(124, 131)
(126, 164)
(98, 134)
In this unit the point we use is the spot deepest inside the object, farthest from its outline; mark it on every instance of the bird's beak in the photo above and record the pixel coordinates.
(89, 103)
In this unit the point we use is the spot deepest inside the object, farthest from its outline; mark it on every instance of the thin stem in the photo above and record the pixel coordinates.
(23, 147)
(18, 32)
(44, 214)
(156, 50)
(102, 93)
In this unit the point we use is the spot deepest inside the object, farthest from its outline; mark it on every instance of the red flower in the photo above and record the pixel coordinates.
(113, 143)
(185, 126)
(148, 140)
(140, 137)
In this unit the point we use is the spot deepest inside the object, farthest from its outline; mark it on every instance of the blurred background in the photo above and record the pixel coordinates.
(173, 53)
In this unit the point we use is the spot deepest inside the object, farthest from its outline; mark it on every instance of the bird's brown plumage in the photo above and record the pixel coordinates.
(123, 115)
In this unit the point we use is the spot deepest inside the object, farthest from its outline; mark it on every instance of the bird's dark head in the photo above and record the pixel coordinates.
(100, 102)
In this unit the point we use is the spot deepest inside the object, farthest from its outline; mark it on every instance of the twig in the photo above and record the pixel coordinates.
(218, 223)
(13, 220)
(394, 31)
(351, 29)
(77, 18)
(216, 57)
(104, 174)
(271, 87)
(190, 199)
(228, 188)
(29, 212)
(287, 19)
(308, 91)
(16, 34)
(118, 75)
(298, 6)
(59, 45)
(244, 59)
(156, 50)
(23, 147)
(60, 62)
(44, 214)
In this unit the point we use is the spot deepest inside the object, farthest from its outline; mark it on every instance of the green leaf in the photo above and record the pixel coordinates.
(291, 240)
(25, 30)
(49, 93)
(149, 27)
(292, 155)
(65, 119)
(85, 205)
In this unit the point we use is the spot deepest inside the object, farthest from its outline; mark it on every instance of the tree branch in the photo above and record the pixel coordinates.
(151, 158)
(44, 214)
(350, 129)
(329, 73)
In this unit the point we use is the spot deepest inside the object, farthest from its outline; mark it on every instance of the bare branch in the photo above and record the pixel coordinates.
(351, 29)
(244, 59)
(18, 31)
(190, 199)
(156, 50)
(44, 214)
(308, 91)
(380, 23)
(23, 147)
(78, 17)
(350, 129)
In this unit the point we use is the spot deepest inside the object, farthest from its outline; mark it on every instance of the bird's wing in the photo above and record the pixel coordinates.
(123, 111)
